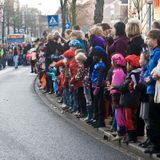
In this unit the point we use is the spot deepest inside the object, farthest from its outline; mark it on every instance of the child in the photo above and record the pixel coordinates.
(52, 73)
(144, 108)
(118, 77)
(67, 93)
(130, 96)
(78, 79)
(153, 41)
(97, 79)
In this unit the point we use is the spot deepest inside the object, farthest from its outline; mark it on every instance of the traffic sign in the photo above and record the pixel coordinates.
(53, 21)
(68, 25)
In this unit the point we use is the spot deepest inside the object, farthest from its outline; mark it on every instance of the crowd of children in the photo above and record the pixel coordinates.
(107, 72)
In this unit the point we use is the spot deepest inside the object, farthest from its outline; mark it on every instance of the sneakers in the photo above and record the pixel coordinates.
(64, 105)
(60, 100)
(117, 138)
(77, 114)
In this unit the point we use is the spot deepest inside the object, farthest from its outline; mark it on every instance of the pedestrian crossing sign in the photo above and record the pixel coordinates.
(53, 21)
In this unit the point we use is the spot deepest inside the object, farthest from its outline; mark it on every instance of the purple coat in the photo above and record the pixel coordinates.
(97, 41)
(120, 45)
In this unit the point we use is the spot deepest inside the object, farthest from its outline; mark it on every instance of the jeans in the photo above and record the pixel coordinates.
(15, 59)
(66, 96)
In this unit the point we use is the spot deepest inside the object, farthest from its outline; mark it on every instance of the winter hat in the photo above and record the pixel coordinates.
(75, 43)
(69, 54)
(133, 60)
(80, 57)
(119, 59)
(99, 51)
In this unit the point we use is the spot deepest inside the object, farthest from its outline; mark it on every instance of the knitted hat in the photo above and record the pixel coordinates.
(80, 57)
(119, 59)
(69, 54)
(99, 51)
(75, 43)
(133, 60)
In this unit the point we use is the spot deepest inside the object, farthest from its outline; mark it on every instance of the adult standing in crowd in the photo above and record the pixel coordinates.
(120, 43)
(53, 50)
(107, 34)
(16, 54)
(136, 41)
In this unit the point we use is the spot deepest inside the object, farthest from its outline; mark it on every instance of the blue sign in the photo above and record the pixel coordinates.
(68, 25)
(53, 21)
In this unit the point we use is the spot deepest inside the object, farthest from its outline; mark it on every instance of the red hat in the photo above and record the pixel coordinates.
(69, 54)
(133, 60)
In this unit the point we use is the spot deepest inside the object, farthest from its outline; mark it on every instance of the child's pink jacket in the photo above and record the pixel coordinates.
(118, 78)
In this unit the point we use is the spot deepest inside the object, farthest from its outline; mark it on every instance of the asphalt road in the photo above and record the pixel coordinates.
(29, 130)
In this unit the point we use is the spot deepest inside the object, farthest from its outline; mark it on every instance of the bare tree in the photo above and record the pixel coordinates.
(98, 13)
(63, 4)
(73, 10)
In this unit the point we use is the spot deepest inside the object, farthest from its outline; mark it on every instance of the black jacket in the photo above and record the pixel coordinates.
(130, 96)
(53, 48)
(135, 45)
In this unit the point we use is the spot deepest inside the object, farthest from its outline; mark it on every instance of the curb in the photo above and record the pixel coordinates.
(131, 149)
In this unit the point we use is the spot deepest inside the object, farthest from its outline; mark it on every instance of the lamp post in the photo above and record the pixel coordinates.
(149, 2)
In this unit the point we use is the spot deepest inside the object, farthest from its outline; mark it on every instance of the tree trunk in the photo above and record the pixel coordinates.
(74, 16)
(98, 12)
(64, 16)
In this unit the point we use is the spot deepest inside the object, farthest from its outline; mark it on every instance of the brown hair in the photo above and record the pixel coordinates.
(76, 27)
(155, 34)
(156, 25)
(105, 26)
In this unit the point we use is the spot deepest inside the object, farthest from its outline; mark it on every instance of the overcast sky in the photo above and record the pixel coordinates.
(48, 7)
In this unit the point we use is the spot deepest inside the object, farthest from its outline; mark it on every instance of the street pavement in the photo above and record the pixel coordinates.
(29, 130)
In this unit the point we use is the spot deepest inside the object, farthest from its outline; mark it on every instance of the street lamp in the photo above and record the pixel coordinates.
(149, 2)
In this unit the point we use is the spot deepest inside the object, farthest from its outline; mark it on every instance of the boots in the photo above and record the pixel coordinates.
(147, 142)
(152, 150)
(132, 136)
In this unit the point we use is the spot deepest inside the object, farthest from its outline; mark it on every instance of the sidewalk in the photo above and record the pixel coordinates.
(101, 133)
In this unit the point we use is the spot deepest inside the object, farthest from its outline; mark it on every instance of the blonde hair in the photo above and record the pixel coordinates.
(96, 30)
(77, 33)
(81, 57)
(50, 37)
(133, 29)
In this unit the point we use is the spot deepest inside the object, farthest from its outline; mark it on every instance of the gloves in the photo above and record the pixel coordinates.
(96, 91)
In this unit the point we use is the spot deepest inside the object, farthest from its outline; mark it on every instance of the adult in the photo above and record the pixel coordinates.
(79, 35)
(120, 43)
(133, 32)
(53, 50)
(107, 33)
(16, 54)
(96, 37)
